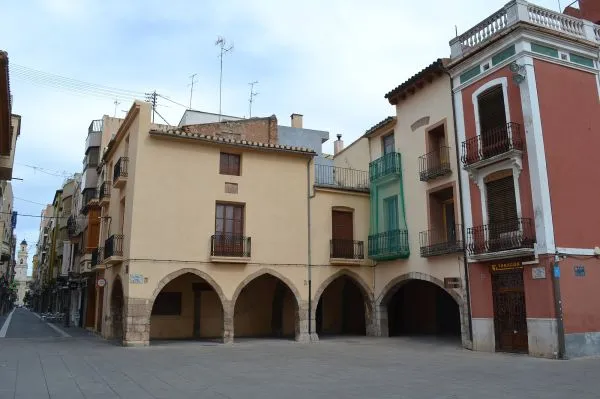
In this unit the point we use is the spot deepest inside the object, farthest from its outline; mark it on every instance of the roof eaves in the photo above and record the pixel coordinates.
(380, 125)
(437, 66)
(180, 133)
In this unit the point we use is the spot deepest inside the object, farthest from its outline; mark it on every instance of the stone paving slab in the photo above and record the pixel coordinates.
(88, 367)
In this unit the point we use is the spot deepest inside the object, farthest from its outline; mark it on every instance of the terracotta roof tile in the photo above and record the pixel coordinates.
(379, 125)
(437, 66)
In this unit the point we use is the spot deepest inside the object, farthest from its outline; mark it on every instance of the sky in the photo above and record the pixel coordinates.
(332, 61)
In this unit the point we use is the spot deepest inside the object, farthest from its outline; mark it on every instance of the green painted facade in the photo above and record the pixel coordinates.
(388, 237)
(470, 74)
(578, 59)
(549, 51)
(503, 55)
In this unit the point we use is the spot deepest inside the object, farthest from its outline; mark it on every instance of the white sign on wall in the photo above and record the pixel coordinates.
(538, 273)
(136, 278)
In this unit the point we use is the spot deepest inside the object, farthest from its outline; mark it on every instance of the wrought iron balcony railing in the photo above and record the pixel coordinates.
(346, 249)
(120, 169)
(441, 241)
(435, 164)
(492, 143)
(230, 245)
(113, 246)
(389, 245)
(105, 190)
(384, 166)
(332, 176)
(95, 257)
(506, 235)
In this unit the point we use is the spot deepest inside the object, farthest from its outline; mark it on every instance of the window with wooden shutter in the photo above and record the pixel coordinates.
(492, 121)
(502, 204)
(229, 164)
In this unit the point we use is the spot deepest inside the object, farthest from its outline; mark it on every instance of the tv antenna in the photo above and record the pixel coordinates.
(222, 43)
(252, 95)
(193, 78)
(116, 102)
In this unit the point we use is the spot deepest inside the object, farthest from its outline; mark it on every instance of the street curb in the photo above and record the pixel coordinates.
(6, 324)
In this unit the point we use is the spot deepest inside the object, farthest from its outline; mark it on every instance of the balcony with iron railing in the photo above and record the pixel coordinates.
(518, 11)
(113, 249)
(104, 193)
(89, 198)
(436, 242)
(512, 237)
(230, 248)
(387, 165)
(389, 245)
(120, 172)
(346, 252)
(435, 164)
(492, 145)
(341, 178)
(96, 262)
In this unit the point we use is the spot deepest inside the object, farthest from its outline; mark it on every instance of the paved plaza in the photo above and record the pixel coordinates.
(37, 361)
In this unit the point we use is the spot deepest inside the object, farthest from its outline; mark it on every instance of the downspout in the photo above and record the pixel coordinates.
(462, 211)
(309, 262)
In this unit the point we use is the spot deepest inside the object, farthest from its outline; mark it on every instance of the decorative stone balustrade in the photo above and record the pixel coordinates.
(522, 11)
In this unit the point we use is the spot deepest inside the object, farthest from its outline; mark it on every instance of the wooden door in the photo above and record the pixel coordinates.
(510, 320)
(449, 221)
(342, 235)
(229, 230)
(492, 122)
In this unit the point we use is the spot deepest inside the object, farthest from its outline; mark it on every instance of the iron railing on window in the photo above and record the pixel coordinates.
(389, 244)
(385, 165)
(333, 176)
(492, 143)
(509, 234)
(441, 241)
(230, 245)
(346, 249)
(434, 164)
(113, 246)
(95, 257)
(120, 169)
(105, 190)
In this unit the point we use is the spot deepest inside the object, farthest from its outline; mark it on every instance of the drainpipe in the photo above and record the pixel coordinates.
(309, 263)
(462, 212)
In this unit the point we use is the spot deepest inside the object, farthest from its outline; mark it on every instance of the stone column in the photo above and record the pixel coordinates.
(136, 326)
(302, 334)
(377, 326)
(228, 322)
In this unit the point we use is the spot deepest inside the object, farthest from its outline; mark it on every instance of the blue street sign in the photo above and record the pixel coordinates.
(556, 271)
(14, 220)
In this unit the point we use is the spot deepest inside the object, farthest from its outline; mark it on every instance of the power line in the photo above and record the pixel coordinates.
(50, 172)
(26, 200)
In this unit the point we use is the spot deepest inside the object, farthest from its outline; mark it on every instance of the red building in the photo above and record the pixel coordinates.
(527, 107)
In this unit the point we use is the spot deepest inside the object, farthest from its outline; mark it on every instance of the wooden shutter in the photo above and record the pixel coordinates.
(491, 109)
(342, 225)
(501, 201)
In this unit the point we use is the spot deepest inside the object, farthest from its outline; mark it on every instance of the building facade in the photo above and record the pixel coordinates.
(526, 90)
(21, 278)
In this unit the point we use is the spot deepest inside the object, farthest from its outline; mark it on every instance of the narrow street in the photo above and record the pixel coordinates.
(38, 362)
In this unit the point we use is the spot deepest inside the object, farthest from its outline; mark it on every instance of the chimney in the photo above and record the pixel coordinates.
(296, 120)
(338, 145)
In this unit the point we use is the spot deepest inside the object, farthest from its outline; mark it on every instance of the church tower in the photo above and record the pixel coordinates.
(21, 272)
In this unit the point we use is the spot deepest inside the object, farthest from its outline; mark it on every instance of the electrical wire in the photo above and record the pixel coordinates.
(50, 172)
(26, 200)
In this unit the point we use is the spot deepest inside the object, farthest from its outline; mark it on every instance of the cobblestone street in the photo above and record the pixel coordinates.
(49, 365)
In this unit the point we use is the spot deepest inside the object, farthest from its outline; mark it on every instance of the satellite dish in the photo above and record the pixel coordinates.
(514, 67)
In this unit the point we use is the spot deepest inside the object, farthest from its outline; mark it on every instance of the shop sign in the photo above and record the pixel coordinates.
(136, 278)
(498, 267)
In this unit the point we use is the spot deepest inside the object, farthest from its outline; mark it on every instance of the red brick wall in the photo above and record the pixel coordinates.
(262, 130)
(570, 114)
(588, 9)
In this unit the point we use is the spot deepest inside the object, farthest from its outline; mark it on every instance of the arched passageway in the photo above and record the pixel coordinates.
(422, 308)
(266, 307)
(187, 307)
(341, 309)
(116, 309)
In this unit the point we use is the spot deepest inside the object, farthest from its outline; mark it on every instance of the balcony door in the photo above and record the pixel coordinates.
(229, 229)
(503, 223)
(449, 220)
(492, 122)
(342, 232)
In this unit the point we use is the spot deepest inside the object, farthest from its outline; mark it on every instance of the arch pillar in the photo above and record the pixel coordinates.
(228, 309)
(302, 334)
(136, 321)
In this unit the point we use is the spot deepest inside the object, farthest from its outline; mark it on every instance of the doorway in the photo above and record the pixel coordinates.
(510, 320)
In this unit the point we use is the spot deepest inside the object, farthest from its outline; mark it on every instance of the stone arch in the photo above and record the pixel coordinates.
(178, 273)
(380, 324)
(260, 273)
(301, 310)
(365, 289)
